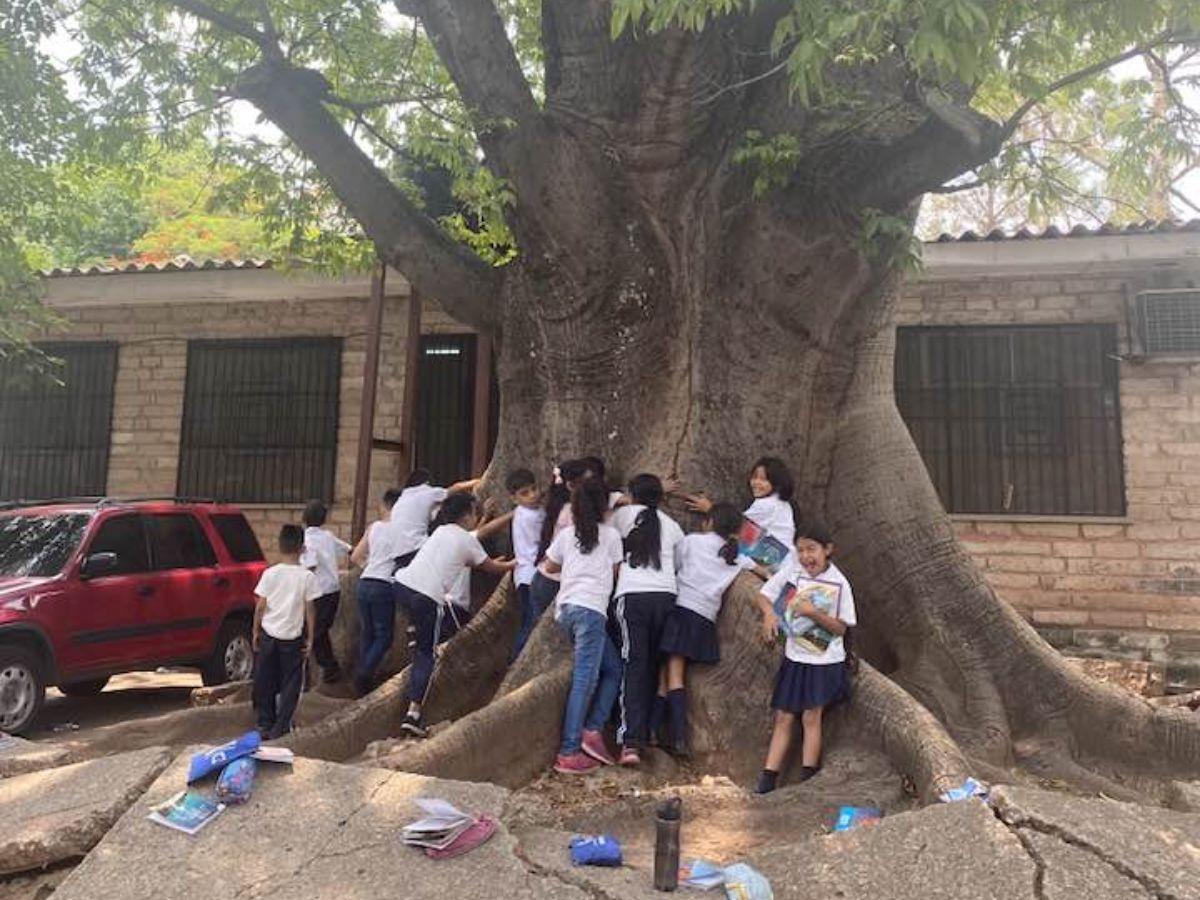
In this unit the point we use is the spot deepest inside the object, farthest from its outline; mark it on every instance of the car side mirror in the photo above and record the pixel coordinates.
(98, 564)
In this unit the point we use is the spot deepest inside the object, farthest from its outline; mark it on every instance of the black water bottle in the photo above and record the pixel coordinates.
(666, 845)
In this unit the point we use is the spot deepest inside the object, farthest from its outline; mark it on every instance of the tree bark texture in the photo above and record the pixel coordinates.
(667, 316)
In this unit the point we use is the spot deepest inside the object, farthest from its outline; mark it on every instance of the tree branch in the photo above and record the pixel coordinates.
(464, 285)
(227, 22)
(470, 39)
(1011, 124)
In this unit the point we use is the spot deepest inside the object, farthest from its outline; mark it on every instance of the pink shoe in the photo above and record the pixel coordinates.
(594, 746)
(630, 757)
(577, 763)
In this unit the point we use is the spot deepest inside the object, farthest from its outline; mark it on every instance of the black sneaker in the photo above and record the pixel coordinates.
(807, 772)
(679, 750)
(766, 782)
(412, 725)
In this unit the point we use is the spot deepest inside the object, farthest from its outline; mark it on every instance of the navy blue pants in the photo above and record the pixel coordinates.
(278, 669)
(377, 619)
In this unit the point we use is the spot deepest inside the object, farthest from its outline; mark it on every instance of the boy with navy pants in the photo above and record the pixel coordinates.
(322, 555)
(284, 624)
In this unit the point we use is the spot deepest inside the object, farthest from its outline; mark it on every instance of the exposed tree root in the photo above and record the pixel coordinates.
(468, 669)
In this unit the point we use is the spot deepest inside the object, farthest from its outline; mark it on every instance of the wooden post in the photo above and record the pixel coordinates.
(408, 412)
(482, 426)
(366, 416)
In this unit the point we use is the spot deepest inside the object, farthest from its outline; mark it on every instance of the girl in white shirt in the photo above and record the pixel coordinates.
(708, 564)
(772, 487)
(556, 516)
(586, 554)
(645, 597)
(813, 673)
(427, 582)
(376, 556)
(413, 510)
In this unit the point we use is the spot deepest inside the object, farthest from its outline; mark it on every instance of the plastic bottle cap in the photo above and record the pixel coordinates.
(671, 809)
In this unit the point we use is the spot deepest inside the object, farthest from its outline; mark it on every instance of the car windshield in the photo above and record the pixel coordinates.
(38, 546)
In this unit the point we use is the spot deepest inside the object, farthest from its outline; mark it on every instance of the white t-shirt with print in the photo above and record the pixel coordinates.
(704, 576)
(776, 517)
(439, 564)
(411, 515)
(287, 588)
(382, 550)
(322, 550)
(791, 570)
(646, 579)
(587, 578)
(526, 536)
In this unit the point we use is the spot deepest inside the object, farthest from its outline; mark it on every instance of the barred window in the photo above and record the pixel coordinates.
(1021, 420)
(55, 422)
(260, 420)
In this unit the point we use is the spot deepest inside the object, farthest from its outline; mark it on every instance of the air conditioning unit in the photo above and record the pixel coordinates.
(1167, 323)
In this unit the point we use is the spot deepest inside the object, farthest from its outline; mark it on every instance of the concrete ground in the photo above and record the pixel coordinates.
(136, 695)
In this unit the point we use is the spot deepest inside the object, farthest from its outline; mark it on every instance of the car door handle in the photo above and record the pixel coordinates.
(221, 581)
(145, 590)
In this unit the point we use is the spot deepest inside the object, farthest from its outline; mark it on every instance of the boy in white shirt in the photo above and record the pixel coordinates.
(323, 553)
(284, 608)
(527, 520)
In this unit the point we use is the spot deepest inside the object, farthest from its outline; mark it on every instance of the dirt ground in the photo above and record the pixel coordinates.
(137, 695)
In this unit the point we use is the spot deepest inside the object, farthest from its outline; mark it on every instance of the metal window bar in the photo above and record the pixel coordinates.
(1015, 419)
(55, 426)
(260, 419)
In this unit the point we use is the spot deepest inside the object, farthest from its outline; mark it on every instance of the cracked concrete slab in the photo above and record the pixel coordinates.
(1157, 848)
(1070, 873)
(19, 757)
(55, 815)
(315, 831)
(954, 851)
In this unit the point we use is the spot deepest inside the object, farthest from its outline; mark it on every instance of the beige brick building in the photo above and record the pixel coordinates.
(1051, 382)
(1119, 574)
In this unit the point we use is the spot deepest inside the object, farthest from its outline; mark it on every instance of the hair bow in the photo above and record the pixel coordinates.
(557, 472)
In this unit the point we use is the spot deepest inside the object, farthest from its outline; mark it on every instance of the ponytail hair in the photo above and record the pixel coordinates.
(453, 508)
(643, 544)
(558, 496)
(726, 522)
(589, 503)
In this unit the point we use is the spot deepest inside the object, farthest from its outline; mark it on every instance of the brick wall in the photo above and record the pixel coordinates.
(151, 368)
(1127, 587)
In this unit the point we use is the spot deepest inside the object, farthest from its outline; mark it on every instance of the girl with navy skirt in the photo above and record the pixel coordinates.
(808, 681)
(708, 564)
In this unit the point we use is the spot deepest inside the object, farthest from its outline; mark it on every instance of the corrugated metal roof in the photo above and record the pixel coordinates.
(187, 264)
(1105, 230)
(178, 264)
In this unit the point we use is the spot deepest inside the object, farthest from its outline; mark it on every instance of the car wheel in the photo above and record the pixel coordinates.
(22, 688)
(232, 658)
(84, 688)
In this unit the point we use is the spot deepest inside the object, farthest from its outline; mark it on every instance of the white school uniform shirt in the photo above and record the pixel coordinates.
(703, 575)
(440, 563)
(566, 518)
(776, 517)
(791, 570)
(646, 579)
(411, 514)
(526, 536)
(587, 578)
(287, 588)
(382, 549)
(321, 551)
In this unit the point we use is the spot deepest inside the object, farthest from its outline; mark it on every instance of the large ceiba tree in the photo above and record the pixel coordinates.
(685, 223)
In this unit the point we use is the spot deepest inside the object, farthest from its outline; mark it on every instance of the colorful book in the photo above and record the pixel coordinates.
(216, 758)
(803, 631)
(188, 811)
(756, 542)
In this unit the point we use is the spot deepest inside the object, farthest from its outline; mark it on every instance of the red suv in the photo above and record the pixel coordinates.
(92, 588)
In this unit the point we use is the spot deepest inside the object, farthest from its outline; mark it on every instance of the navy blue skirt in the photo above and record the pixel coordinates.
(801, 686)
(690, 635)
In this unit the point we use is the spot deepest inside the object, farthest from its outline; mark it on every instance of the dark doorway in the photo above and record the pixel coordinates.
(445, 406)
